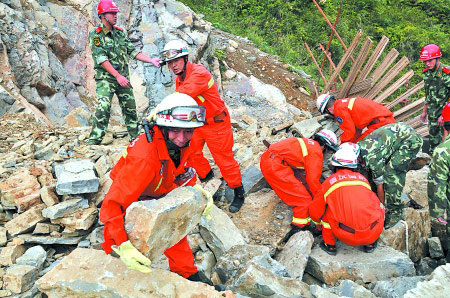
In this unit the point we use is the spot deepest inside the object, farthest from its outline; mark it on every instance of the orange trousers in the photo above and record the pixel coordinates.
(287, 187)
(218, 136)
(181, 258)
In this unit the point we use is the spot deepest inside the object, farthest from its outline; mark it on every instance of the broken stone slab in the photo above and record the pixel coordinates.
(48, 196)
(19, 278)
(252, 180)
(92, 273)
(196, 242)
(9, 254)
(319, 292)
(205, 261)
(254, 280)
(65, 208)
(435, 248)
(414, 186)
(264, 219)
(295, 253)
(34, 256)
(79, 220)
(426, 266)
(3, 237)
(436, 285)
(48, 240)
(45, 228)
(155, 225)
(306, 128)
(239, 256)
(220, 233)
(418, 225)
(97, 197)
(76, 177)
(396, 287)
(22, 188)
(352, 263)
(26, 221)
(349, 288)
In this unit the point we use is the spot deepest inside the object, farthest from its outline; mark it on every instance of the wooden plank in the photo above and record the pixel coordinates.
(373, 59)
(384, 65)
(410, 109)
(405, 95)
(315, 62)
(423, 131)
(344, 59)
(414, 122)
(361, 86)
(391, 89)
(390, 75)
(327, 56)
(350, 79)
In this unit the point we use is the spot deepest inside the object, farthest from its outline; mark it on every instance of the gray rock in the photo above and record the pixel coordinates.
(34, 256)
(295, 253)
(396, 287)
(220, 233)
(47, 240)
(6, 101)
(319, 292)
(76, 177)
(19, 278)
(32, 96)
(436, 285)
(349, 288)
(65, 208)
(435, 248)
(252, 180)
(426, 266)
(306, 128)
(26, 221)
(205, 261)
(353, 263)
(239, 256)
(155, 225)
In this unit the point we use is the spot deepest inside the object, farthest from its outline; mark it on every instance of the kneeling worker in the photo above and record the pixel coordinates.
(150, 169)
(346, 206)
(281, 159)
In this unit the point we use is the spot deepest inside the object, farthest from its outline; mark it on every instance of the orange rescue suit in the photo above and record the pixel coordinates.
(217, 133)
(278, 164)
(145, 172)
(348, 210)
(355, 114)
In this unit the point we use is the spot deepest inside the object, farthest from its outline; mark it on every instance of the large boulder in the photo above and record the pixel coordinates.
(92, 273)
(354, 264)
(76, 177)
(155, 225)
(415, 186)
(436, 285)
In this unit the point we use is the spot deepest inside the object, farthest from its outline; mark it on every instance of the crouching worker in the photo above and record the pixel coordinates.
(281, 159)
(346, 205)
(152, 166)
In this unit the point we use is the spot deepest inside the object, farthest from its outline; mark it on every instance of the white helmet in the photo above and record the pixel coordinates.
(180, 110)
(345, 157)
(352, 146)
(174, 49)
(322, 101)
(328, 137)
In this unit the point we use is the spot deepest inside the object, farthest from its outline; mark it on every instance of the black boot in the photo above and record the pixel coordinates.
(196, 277)
(238, 199)
(208, 177)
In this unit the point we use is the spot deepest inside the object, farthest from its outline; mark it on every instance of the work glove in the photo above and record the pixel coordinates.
(210, 203)
(155, 62)
(132, 257)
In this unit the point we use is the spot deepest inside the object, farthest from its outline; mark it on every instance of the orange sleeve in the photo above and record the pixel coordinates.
(129, 183)
(195, 84)
(313, 169)
(317, 208)
(347, 125)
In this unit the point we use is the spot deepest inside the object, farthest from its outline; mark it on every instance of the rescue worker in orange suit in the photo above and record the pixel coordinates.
(197, 82)
(279, 163)
(354, 115)
(153, 166)
(346, 205)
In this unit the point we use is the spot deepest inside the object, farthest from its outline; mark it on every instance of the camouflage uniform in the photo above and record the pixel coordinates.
(387, 153)
(113, 46)
(437, 94)
(439, 184)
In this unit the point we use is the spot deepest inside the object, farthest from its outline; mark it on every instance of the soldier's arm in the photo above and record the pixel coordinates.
(437, 182)
(144, 58)
(123, 81)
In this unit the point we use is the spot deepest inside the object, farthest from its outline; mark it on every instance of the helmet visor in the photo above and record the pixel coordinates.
(172, 54)
(186, 113)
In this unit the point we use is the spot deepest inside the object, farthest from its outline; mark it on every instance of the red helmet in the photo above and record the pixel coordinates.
(429, 52)
(106, 6)
(446, 113)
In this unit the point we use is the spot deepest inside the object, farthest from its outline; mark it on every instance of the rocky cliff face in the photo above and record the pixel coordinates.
(52, 183)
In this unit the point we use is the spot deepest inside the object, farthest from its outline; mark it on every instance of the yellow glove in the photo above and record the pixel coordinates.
(210, 203)
(152, 116)
(132, 257)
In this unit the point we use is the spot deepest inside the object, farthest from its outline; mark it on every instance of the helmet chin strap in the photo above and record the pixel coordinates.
(182, 73)
(109, 23)
(436, 66)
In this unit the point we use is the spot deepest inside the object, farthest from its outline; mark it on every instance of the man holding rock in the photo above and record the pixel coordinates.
(197, 82)
(154, 164)
(110, 48)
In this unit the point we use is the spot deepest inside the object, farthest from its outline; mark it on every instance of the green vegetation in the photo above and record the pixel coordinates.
(281, 27)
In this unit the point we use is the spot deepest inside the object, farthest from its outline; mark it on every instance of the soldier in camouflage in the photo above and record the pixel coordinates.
(387, 153)
(437, 92)
(439, 180)
(110, 48)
